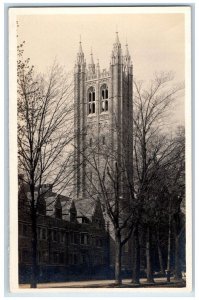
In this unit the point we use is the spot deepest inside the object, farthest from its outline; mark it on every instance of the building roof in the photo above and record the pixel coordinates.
(85, 208)
(67, 204)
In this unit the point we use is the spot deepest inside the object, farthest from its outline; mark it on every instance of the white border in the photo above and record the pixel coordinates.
(13, 164)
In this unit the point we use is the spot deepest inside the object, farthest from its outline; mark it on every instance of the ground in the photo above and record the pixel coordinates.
(159, 282)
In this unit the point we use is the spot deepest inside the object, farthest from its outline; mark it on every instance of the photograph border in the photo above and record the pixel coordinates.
(13, 136)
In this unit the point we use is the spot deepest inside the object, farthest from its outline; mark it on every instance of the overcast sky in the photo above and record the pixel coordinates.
(156, 41)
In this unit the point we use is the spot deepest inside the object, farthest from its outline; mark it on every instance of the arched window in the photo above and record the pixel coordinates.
(91, 100)
(104, 98)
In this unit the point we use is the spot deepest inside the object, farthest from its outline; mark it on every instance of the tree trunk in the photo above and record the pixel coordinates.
(149, 256)
(160, 253)
(169, 252)
(177, 271)
(118, 259)
(160, 260)
(34, 252)
(136, 257)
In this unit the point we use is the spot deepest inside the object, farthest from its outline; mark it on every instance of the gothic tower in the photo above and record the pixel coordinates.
(103, 109)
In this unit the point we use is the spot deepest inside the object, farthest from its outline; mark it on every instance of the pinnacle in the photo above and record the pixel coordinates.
(92, 61)
(80, 47)
(117, 38)
(127, 50)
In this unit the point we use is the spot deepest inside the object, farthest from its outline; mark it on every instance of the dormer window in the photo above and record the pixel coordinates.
(104, 98)
(72, 216)
(58, 213)
(91, 100)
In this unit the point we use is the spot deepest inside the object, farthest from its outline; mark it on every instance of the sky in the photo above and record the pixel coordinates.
(156, 41)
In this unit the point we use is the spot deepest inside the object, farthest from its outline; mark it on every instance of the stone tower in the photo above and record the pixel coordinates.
(103, 109)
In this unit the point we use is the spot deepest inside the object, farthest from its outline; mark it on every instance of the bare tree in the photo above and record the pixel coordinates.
(152, 148)
(107, 180)
(45, 131)
(176, 208)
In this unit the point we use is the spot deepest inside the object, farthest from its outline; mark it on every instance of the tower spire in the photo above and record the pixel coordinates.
(80, 54)
(91, 66)
(127, 58)
(80, 46)
(127, 49)
(117, 41)
(92, 61)
(117, 50)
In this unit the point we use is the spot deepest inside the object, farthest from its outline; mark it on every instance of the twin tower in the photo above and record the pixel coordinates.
(103, 109)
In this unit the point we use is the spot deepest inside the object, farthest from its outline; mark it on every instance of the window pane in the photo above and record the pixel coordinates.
(106, 105)
(103, 105)
(89, 108)
(93, 108)
(106, 93)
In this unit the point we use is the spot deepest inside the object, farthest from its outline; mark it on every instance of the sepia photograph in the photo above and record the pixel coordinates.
(100, 148)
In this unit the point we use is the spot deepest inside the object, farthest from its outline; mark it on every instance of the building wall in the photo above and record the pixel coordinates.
(64, 248)
(112, 126)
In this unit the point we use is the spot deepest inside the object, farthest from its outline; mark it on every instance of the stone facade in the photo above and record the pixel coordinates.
(103, 109)
(104, 114)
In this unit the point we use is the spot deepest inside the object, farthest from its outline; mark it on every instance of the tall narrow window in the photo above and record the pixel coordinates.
(91, 100)
(104, 98)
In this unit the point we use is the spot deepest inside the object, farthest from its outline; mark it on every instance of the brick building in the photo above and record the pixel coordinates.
(71, 242)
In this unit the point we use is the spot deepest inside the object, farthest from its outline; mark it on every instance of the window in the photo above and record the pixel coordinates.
(43, 256)
(85, 220)
(58, 258)
(62, 237)
(85, 239)
(54, 235)
(98, 223)
(103, 140)
(76, 238)
(98, 242)
(104, 98)
(67, 237)
(83, 259)
(58, 213)
(91, 100)
(41, 233)
(55, 257)
(72, 216)
(23, 229)
(72, 237)
(61, 258)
